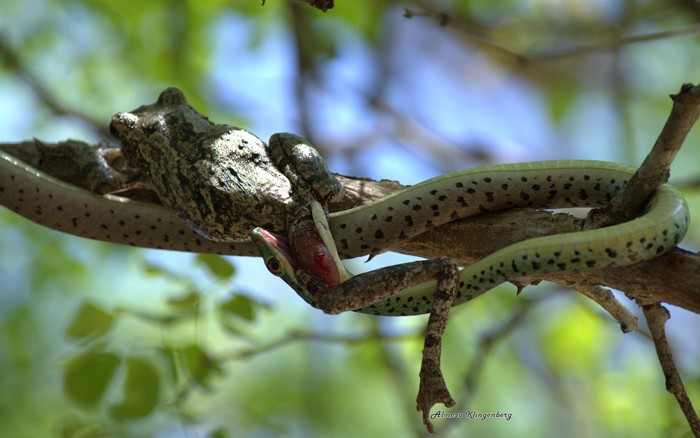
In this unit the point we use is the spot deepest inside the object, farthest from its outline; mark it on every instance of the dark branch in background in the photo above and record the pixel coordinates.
(14, 62)
(444, 19)
(306, 55)
(303, 336)
(323, 5)
(578, 51)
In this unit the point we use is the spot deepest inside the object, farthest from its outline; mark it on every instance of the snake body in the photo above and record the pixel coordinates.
(376, 226)
(53, 203)
(660, 229)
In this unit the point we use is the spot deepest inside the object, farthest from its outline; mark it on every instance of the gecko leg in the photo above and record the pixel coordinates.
(305, 168)
(365, 289)
(319, 278)
(103, 168)
(432, 388)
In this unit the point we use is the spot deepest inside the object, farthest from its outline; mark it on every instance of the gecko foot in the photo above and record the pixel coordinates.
(432, 390)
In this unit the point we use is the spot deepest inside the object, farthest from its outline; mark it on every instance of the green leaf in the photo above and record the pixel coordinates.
(199, 364)
(219, 433)
(232, 327)
(70, 426)
(87, 376)
(155, 270)
(169, 355)
(90, 321)
(217, 265)
(240, 306)
(187, 302)
(140, 392)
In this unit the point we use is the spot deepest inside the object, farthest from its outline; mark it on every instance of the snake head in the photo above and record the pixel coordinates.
(276, 253)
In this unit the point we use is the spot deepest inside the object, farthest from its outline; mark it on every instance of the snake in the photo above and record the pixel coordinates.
(64, 207)
(376, 226)
(430, 286)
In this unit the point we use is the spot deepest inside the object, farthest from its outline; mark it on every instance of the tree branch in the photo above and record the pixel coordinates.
(671, 278)
(656, 316)
(656, 168)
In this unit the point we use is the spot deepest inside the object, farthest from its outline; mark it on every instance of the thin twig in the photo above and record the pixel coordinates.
(655, 170)
(656, 316)
(300, 336)
(606, 300)
(444, 19)
(625, 41)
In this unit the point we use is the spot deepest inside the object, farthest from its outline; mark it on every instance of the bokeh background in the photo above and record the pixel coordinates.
(102, 340)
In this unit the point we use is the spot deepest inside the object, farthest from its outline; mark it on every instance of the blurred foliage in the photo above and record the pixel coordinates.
(99, 340)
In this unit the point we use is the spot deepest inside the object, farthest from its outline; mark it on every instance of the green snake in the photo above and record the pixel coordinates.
(430, 286)
(64, 207)
(434, 286)
(374, 227)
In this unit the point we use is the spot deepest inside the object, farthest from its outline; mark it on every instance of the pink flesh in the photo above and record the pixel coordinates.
(314, 258)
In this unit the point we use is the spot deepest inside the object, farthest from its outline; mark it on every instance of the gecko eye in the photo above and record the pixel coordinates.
(274, 266)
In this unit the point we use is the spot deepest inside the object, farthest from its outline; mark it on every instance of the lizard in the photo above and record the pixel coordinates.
(228, 180)
(218, 179)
